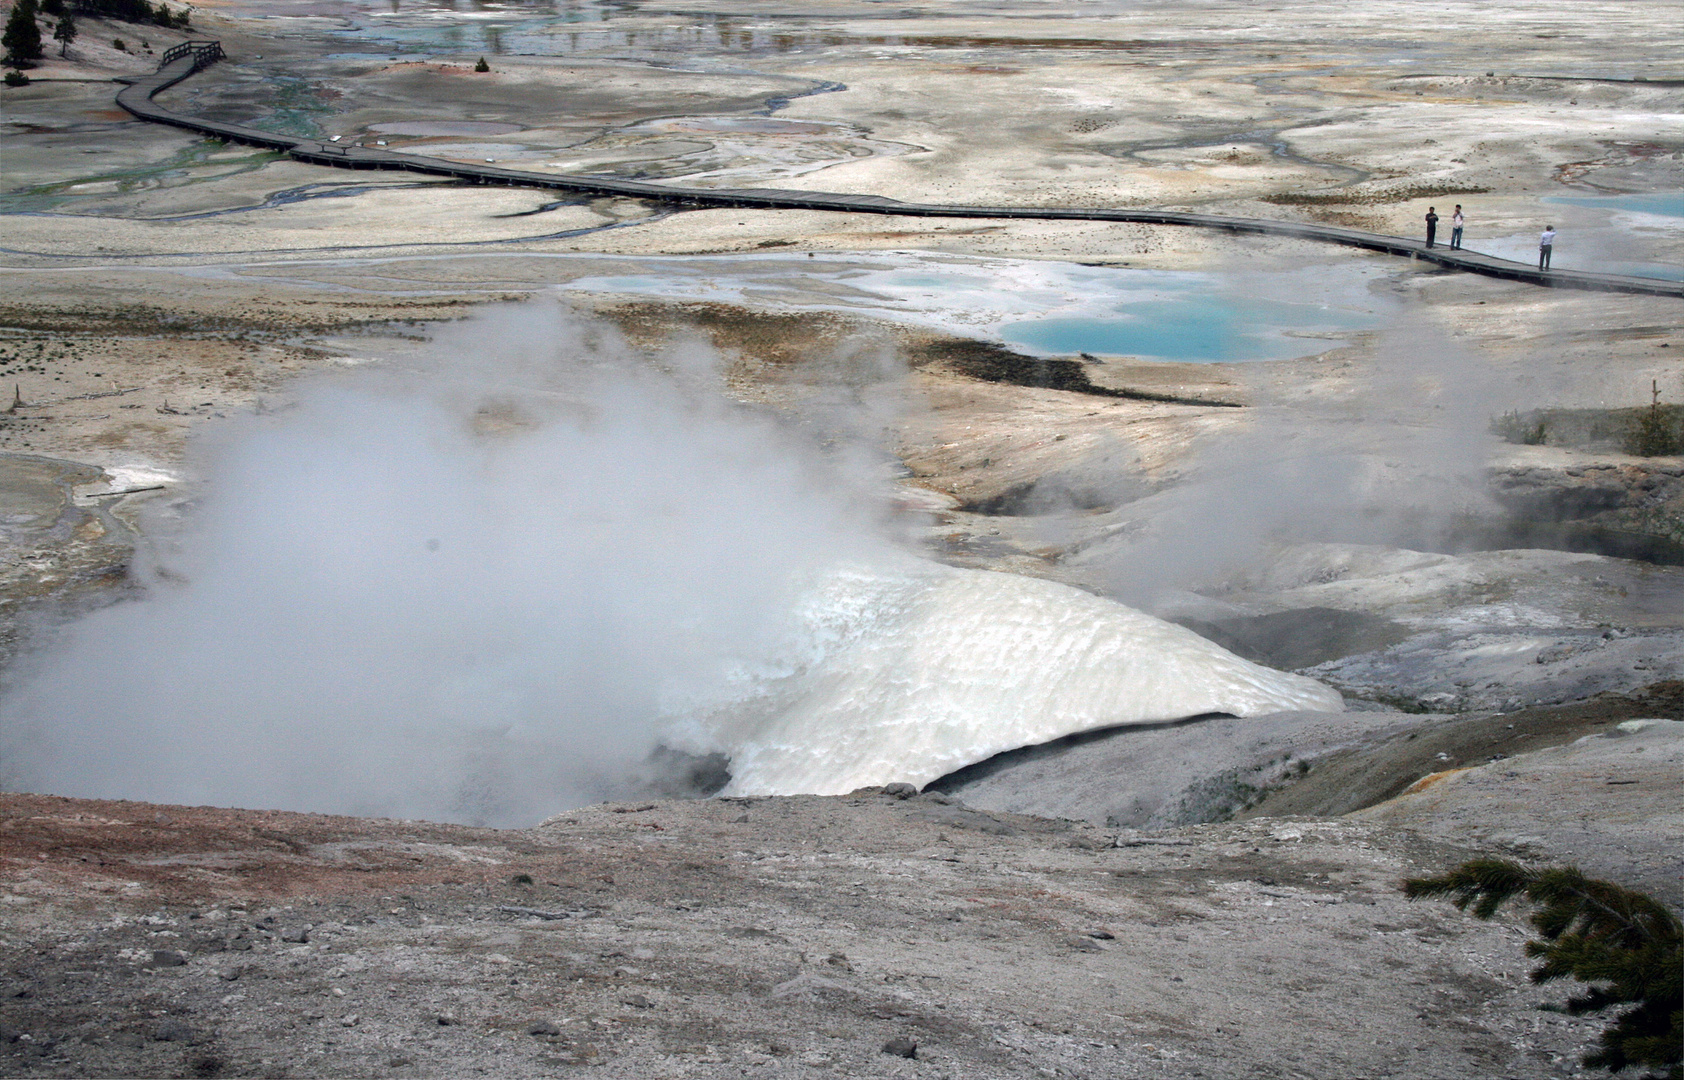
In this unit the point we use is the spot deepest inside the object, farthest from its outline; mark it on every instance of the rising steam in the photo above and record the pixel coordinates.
(457, 592)
(486, 589)
(1396, 457)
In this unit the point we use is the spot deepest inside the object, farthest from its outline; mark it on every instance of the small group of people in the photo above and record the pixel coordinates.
(1456, 223)
(1546, 242)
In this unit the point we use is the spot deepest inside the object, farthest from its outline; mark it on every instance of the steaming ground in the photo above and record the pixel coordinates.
(488, 585)
(412, 594)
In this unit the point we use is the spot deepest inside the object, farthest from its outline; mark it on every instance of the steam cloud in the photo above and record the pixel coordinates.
(465, 591)
(486, 589)
(1395, 458)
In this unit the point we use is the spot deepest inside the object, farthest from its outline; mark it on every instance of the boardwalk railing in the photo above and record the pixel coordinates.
(204, 53)
(177, 63)
(191, 56)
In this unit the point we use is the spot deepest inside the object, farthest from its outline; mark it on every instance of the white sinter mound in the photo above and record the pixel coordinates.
(909, 674)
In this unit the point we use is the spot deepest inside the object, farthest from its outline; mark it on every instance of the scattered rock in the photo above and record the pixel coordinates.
(808, 985)
(172, 1031)
(1102, 935)
(167, 958)
(542, 1029)
(901, 1046)
(900, 790)
(298, 935)
(1083, 943)
(637, 1001)
(1556, 653)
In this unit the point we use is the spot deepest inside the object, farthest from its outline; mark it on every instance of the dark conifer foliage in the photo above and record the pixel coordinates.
(64, 33)
(134, 11)
(1624, 946)
(22, 36)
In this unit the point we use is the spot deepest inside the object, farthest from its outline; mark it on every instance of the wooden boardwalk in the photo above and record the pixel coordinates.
(190, 57)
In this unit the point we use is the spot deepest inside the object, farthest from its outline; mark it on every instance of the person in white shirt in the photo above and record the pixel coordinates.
(1545, 243)
(1456, 223)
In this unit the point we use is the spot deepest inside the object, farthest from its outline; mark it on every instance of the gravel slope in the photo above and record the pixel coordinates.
(768, 937)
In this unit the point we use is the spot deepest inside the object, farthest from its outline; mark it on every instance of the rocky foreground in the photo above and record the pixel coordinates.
(883, 933)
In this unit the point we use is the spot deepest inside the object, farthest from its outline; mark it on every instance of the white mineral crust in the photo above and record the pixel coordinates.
(909, 674)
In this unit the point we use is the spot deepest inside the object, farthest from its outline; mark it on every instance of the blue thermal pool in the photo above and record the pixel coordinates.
(1661, 204)
(1199, 327)
(1049, 308)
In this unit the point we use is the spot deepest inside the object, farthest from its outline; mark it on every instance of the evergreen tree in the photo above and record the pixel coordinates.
(64, 33)
(22, 37)
(131, 11)
(1624, 946)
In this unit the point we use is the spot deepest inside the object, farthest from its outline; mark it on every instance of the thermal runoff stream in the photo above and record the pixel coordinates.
(487, 586)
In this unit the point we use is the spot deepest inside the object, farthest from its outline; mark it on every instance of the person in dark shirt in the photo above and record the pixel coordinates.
(1432, 225)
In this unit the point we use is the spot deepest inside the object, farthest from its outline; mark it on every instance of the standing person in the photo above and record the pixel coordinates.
(1545, 243)
(1432, 225)
(1456, 223)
